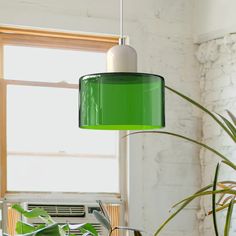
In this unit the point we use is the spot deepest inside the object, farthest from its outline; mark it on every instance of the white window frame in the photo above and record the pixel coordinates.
(62, 40)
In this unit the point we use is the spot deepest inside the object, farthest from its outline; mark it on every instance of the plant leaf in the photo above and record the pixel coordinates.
(228, 218)
(172, 216)
(18, 208)
(227, 191)
(103, 220)
(223, 186)
(227, 199)
(51, 230)
(34, 213)
(90, 229)
(83, 231)
(103, 210)
(229, 125)
(185, 203)
(47, 220)
(86, 234)
(65, 227)
(137, 233)
(179, 210)
(226, 160)
(73, 226)
(40, 226)
(222, 207)
(233, 118)
(84, 228)
(214, 199)
(24, 228)
(205, 110)
(202, 190)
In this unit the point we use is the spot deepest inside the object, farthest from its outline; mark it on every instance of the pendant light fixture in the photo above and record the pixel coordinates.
(121, 99)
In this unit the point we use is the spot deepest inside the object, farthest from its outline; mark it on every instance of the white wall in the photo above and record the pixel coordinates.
(214, 19)
(218, 86)
(162, 169)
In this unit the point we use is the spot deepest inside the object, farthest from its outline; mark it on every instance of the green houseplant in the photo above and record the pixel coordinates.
(223, 193)
(51, 228)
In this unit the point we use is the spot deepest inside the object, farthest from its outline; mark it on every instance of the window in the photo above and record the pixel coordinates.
(42, 149)
(42, 124)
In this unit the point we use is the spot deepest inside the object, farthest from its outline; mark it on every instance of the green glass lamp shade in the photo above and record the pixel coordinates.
(121, 101)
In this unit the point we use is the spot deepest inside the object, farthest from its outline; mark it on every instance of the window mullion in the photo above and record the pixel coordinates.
(1, 59)
(3, 151)
(3, 142)
(64, 85)
(58, 154)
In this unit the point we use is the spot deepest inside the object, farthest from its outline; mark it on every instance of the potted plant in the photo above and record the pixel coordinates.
(51, 228)
(223, 193)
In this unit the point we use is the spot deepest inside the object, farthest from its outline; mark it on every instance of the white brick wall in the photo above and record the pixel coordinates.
(218, 89)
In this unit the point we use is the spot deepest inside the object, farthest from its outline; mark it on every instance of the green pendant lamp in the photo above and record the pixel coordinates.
(122, 99)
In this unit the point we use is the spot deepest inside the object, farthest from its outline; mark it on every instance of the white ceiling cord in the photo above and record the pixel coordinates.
(122, 39)
(122, 57)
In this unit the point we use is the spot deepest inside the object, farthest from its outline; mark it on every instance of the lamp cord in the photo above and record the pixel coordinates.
(121, 19)
(122, 39)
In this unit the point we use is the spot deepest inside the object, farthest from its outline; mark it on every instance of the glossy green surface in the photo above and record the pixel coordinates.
(121, 101)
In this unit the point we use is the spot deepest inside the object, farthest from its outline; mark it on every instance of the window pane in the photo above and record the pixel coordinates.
(50, 65)
(42, 124)
(46, 120)
(62, 174)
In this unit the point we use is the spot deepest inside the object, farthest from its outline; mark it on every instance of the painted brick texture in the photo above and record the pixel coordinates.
(218, 90)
